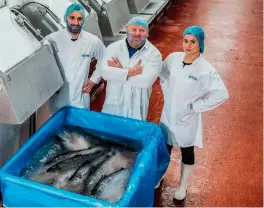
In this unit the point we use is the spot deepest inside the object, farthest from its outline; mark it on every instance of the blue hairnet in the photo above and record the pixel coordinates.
(198, 32)
(73, 8)
(138, 21)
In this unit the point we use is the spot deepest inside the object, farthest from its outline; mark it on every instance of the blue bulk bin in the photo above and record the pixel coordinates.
(151, 162)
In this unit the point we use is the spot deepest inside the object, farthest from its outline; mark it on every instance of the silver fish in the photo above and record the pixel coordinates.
(74, 162)
(78, 179)
(42, 176)
(73, 140)
(112, 187)
(116, 162)
(65, 156)
(59, 174)
(63, 179)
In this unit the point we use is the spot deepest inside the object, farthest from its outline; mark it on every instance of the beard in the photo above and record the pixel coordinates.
(136, 42)
(74, 29)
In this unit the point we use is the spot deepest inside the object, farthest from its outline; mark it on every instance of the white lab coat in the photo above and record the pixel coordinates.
(199, 84)
(129, 97)
(75, 58)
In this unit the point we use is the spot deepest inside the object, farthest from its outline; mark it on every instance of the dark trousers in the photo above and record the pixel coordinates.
(187, 154)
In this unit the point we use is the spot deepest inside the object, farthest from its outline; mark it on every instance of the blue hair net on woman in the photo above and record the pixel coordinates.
(73, 8)
(198, 32)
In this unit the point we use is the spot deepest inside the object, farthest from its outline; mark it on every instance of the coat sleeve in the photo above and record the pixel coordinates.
(151, 70)
(98, 55)
(216, 93)
(165, 70)
(165, 74)
(112, 73)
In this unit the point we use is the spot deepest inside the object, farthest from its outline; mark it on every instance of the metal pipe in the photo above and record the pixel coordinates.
(51, 13)
(21, 19)
(85, 4)
(96, 6)
(99, 8)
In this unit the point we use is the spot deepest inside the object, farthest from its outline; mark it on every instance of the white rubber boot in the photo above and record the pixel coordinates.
(180, 192)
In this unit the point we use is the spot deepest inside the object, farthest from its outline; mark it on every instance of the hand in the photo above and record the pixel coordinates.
(88, 86)
(135, 70)
(114, 62)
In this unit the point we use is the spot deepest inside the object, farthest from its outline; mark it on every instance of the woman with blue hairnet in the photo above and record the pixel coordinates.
(190, 86)
(130, 67)
(75, 49)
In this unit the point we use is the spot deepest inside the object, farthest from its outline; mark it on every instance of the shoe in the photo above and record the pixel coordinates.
(181, 191)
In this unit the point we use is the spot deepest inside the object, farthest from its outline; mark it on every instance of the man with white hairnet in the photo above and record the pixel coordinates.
(131, 66)
(76, 48)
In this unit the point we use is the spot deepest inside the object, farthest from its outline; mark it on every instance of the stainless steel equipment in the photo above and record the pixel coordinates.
(155, 7)
(2, 3)
(92, 24)
(29, 73)
(41, 17)
(136, 6)
(22, 95)
(9, 141)
(112, 14)
(12, 3)
(58, 7)
(152, 12)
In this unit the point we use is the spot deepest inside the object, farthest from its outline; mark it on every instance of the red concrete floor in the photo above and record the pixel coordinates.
(228, 169)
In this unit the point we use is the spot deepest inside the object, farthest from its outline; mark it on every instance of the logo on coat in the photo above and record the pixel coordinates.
(192, 77)
(85, 55)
